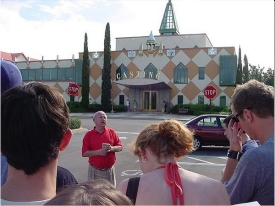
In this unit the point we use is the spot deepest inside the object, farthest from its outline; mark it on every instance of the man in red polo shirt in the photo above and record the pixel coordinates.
(100, 145)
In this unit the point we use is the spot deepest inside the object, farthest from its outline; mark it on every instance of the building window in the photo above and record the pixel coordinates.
(121, 99)
(48, 74)
(201, 72)
(222, 101)
(180, 74)
(32, 75)
(151, 72)
(201, 99)
(122, 72)
(25, 74)
(180, 99)
(61, 74)
(228, 70)
(69, 74)
(38, 74)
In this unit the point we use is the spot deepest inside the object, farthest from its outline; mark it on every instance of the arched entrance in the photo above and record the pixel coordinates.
(149, 93)
(150, 100)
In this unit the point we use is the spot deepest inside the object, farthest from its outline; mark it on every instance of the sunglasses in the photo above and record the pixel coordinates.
(235, 117)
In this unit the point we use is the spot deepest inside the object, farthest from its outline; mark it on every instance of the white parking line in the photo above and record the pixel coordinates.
(122, 137)
(128, 132)
(201, 164)
(200, 160)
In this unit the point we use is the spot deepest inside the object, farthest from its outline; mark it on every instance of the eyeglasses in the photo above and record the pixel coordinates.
(235, 117)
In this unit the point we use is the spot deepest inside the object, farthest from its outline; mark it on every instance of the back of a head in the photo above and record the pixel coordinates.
(167, 138)
(35, 117)
(94, 192)
(227, 120)
(10, 75)
(255, 95)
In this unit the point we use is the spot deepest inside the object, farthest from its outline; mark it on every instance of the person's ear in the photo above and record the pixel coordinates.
(65, 140)
(247, 114)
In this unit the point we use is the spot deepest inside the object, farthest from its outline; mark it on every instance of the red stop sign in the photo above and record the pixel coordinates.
(210, 92)
(73, 89)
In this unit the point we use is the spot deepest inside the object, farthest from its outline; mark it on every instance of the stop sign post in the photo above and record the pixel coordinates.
(210, 92)
(73, 89)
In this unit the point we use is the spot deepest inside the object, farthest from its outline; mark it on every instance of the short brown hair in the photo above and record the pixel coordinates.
(255, 95)
(35, 118)
(169, 137)
(93, 192)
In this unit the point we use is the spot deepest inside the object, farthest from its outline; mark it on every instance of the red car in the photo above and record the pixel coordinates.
(208, 130)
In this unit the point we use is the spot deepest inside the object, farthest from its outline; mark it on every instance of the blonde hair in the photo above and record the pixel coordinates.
(166, 138)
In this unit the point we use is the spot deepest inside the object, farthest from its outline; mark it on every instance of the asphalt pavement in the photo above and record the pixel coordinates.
(137, 115)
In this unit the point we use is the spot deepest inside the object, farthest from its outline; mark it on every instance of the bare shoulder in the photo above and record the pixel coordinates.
(199, 184)
(123, 186)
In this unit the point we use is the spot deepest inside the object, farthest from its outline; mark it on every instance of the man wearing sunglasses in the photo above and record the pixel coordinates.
(252, 105)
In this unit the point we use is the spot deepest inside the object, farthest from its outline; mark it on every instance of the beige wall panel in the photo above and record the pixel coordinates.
(35, 65)
(122, 58)
(229, 91)
(22, 65)
(126, 91)
(201, 59)
(212, 69)
(192, 70)
(113, 71)
(59, 88)
(49, 64)
(80, 55)
(230, 50)
(95, 71)
(133, 69)
(191, 52)
(115, 54)
(191, 91)
(173, 91)
(95, 90)
(65, 63)
(115, 90)
(180, 57)
(168, 70)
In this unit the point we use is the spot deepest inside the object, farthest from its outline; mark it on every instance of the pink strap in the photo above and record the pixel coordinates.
(173, 179)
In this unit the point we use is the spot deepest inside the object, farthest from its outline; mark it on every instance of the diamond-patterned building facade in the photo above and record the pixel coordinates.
(150, 87)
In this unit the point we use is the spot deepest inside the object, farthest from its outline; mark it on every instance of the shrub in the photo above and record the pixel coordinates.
(199, 109)
(75, 123)
(75, 107)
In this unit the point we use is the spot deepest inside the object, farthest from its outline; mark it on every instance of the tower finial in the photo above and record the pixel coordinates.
(169, 25)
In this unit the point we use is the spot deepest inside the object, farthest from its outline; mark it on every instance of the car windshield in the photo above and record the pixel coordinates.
(190, 120)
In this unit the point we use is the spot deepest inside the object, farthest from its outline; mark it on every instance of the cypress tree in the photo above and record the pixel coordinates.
(85, 76)
(245, 70)
(106, 72)
(239, 69)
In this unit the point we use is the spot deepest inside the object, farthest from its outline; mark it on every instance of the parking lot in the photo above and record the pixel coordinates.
(209, 161)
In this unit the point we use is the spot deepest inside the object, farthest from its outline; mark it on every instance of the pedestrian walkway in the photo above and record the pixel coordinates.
(137, 115)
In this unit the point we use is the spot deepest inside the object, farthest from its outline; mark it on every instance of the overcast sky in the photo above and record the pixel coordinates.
(50, 27)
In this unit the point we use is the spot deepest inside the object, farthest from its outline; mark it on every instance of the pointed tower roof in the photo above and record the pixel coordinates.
(169, 25)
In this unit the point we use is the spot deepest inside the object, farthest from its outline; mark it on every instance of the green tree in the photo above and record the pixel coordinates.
(85, 75)
(245, 70)
(268, 77)
(256, 73)
(106, 72)
(239, 79)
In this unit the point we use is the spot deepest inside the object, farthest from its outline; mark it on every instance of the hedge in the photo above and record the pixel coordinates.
(75, 123)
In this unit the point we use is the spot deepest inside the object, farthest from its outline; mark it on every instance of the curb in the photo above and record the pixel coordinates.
(81, 129)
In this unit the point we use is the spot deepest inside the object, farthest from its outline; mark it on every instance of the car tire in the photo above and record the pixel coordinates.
(197, 143)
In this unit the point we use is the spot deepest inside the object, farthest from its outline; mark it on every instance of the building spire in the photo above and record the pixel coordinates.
(169, 25)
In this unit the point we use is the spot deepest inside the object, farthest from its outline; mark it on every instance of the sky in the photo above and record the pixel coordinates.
(57, 27)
